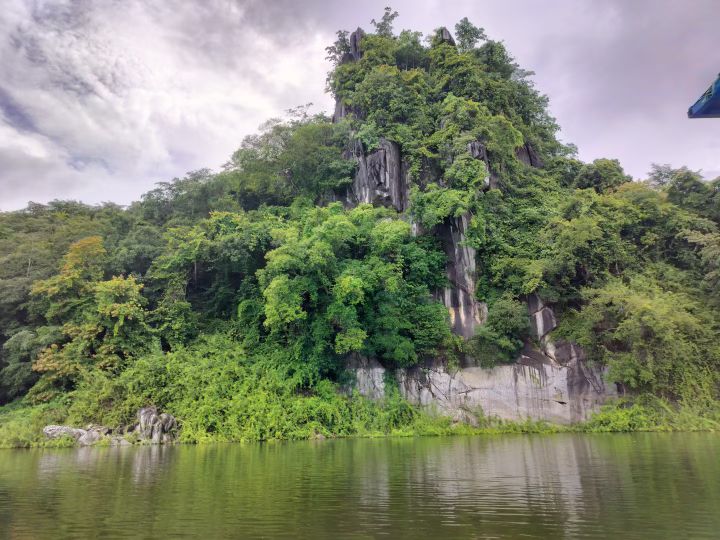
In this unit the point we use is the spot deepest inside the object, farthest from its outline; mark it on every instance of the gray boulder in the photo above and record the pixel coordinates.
(55, 432)
(84, 437)
(155, 427)
(91, 437)
(151, 426)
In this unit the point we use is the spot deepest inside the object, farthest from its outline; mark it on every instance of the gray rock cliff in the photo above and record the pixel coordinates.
(355, 41)
(381, 177)
(534, 388)
(527, 155)
(466, 312)
(444, 36)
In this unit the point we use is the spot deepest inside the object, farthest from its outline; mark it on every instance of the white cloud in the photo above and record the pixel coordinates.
(124, 94)
(102, 98)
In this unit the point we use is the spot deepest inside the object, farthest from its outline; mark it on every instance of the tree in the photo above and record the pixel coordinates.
(687, 189)
(652, 339)
(660, 175)
(67, 294)
(467, 35)
(502, 336)
(384, 27)
(601, 175)
(339, 49)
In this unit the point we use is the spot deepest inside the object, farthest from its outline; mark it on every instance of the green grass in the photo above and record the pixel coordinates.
(21, 423)
(650, 413)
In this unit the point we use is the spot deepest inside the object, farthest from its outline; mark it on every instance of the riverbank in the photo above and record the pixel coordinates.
(21, 424)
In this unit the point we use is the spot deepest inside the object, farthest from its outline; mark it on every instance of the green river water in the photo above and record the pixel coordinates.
(554, 486)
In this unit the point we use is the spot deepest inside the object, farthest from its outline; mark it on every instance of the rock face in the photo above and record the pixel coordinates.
(355, 54)
(444, 36)
(381, 177)
(154, 427)
(369, 376)
(533, 388)
(479, 151)
(355, 40)
(542, 322)
(340, 111)
(55, 432)
(466, 312)
(527, 154)
(542, 317)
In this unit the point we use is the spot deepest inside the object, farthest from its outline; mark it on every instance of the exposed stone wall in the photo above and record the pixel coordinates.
(381, 177)
(466, 312)
(479, 151)
(533, 388)
(542, 317)
(528, 155)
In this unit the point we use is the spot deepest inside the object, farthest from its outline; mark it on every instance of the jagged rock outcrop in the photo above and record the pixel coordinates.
(381, 177)
(355, 54)
(563, 353)
(444, 36)
(341, 110)
(355, 41)
(479, 151)
(466, 312)
(542, 317)
(150, 427)
(534, 388)
(528, 155)
(154, 427)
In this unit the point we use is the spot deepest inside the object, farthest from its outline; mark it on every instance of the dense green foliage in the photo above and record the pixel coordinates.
(233, 298)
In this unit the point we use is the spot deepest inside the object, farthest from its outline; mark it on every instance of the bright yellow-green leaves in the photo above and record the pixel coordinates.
(357, 278)
(283, 302)
(67, 293)
(652, 338)
(103, 321)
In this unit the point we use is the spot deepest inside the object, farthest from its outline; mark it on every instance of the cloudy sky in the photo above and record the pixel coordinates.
(100, 99)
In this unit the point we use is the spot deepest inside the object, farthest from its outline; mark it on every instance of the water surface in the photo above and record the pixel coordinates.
(557, 486)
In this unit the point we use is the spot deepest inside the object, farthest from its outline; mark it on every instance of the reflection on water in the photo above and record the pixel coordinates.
(560, 486)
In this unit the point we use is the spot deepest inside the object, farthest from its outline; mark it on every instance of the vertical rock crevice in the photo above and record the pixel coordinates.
(528, 155)
(381, 177)
(466, 312)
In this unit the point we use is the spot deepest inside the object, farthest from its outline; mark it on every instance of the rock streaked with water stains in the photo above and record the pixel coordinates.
(533, 388)
(466, 312)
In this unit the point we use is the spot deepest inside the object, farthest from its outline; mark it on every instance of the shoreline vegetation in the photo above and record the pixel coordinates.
(233, 299)
(21, 424)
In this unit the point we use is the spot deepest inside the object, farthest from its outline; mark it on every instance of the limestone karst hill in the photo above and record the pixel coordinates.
(431, 243)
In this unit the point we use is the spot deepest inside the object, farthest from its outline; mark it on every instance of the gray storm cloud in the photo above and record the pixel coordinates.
(100, 99)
